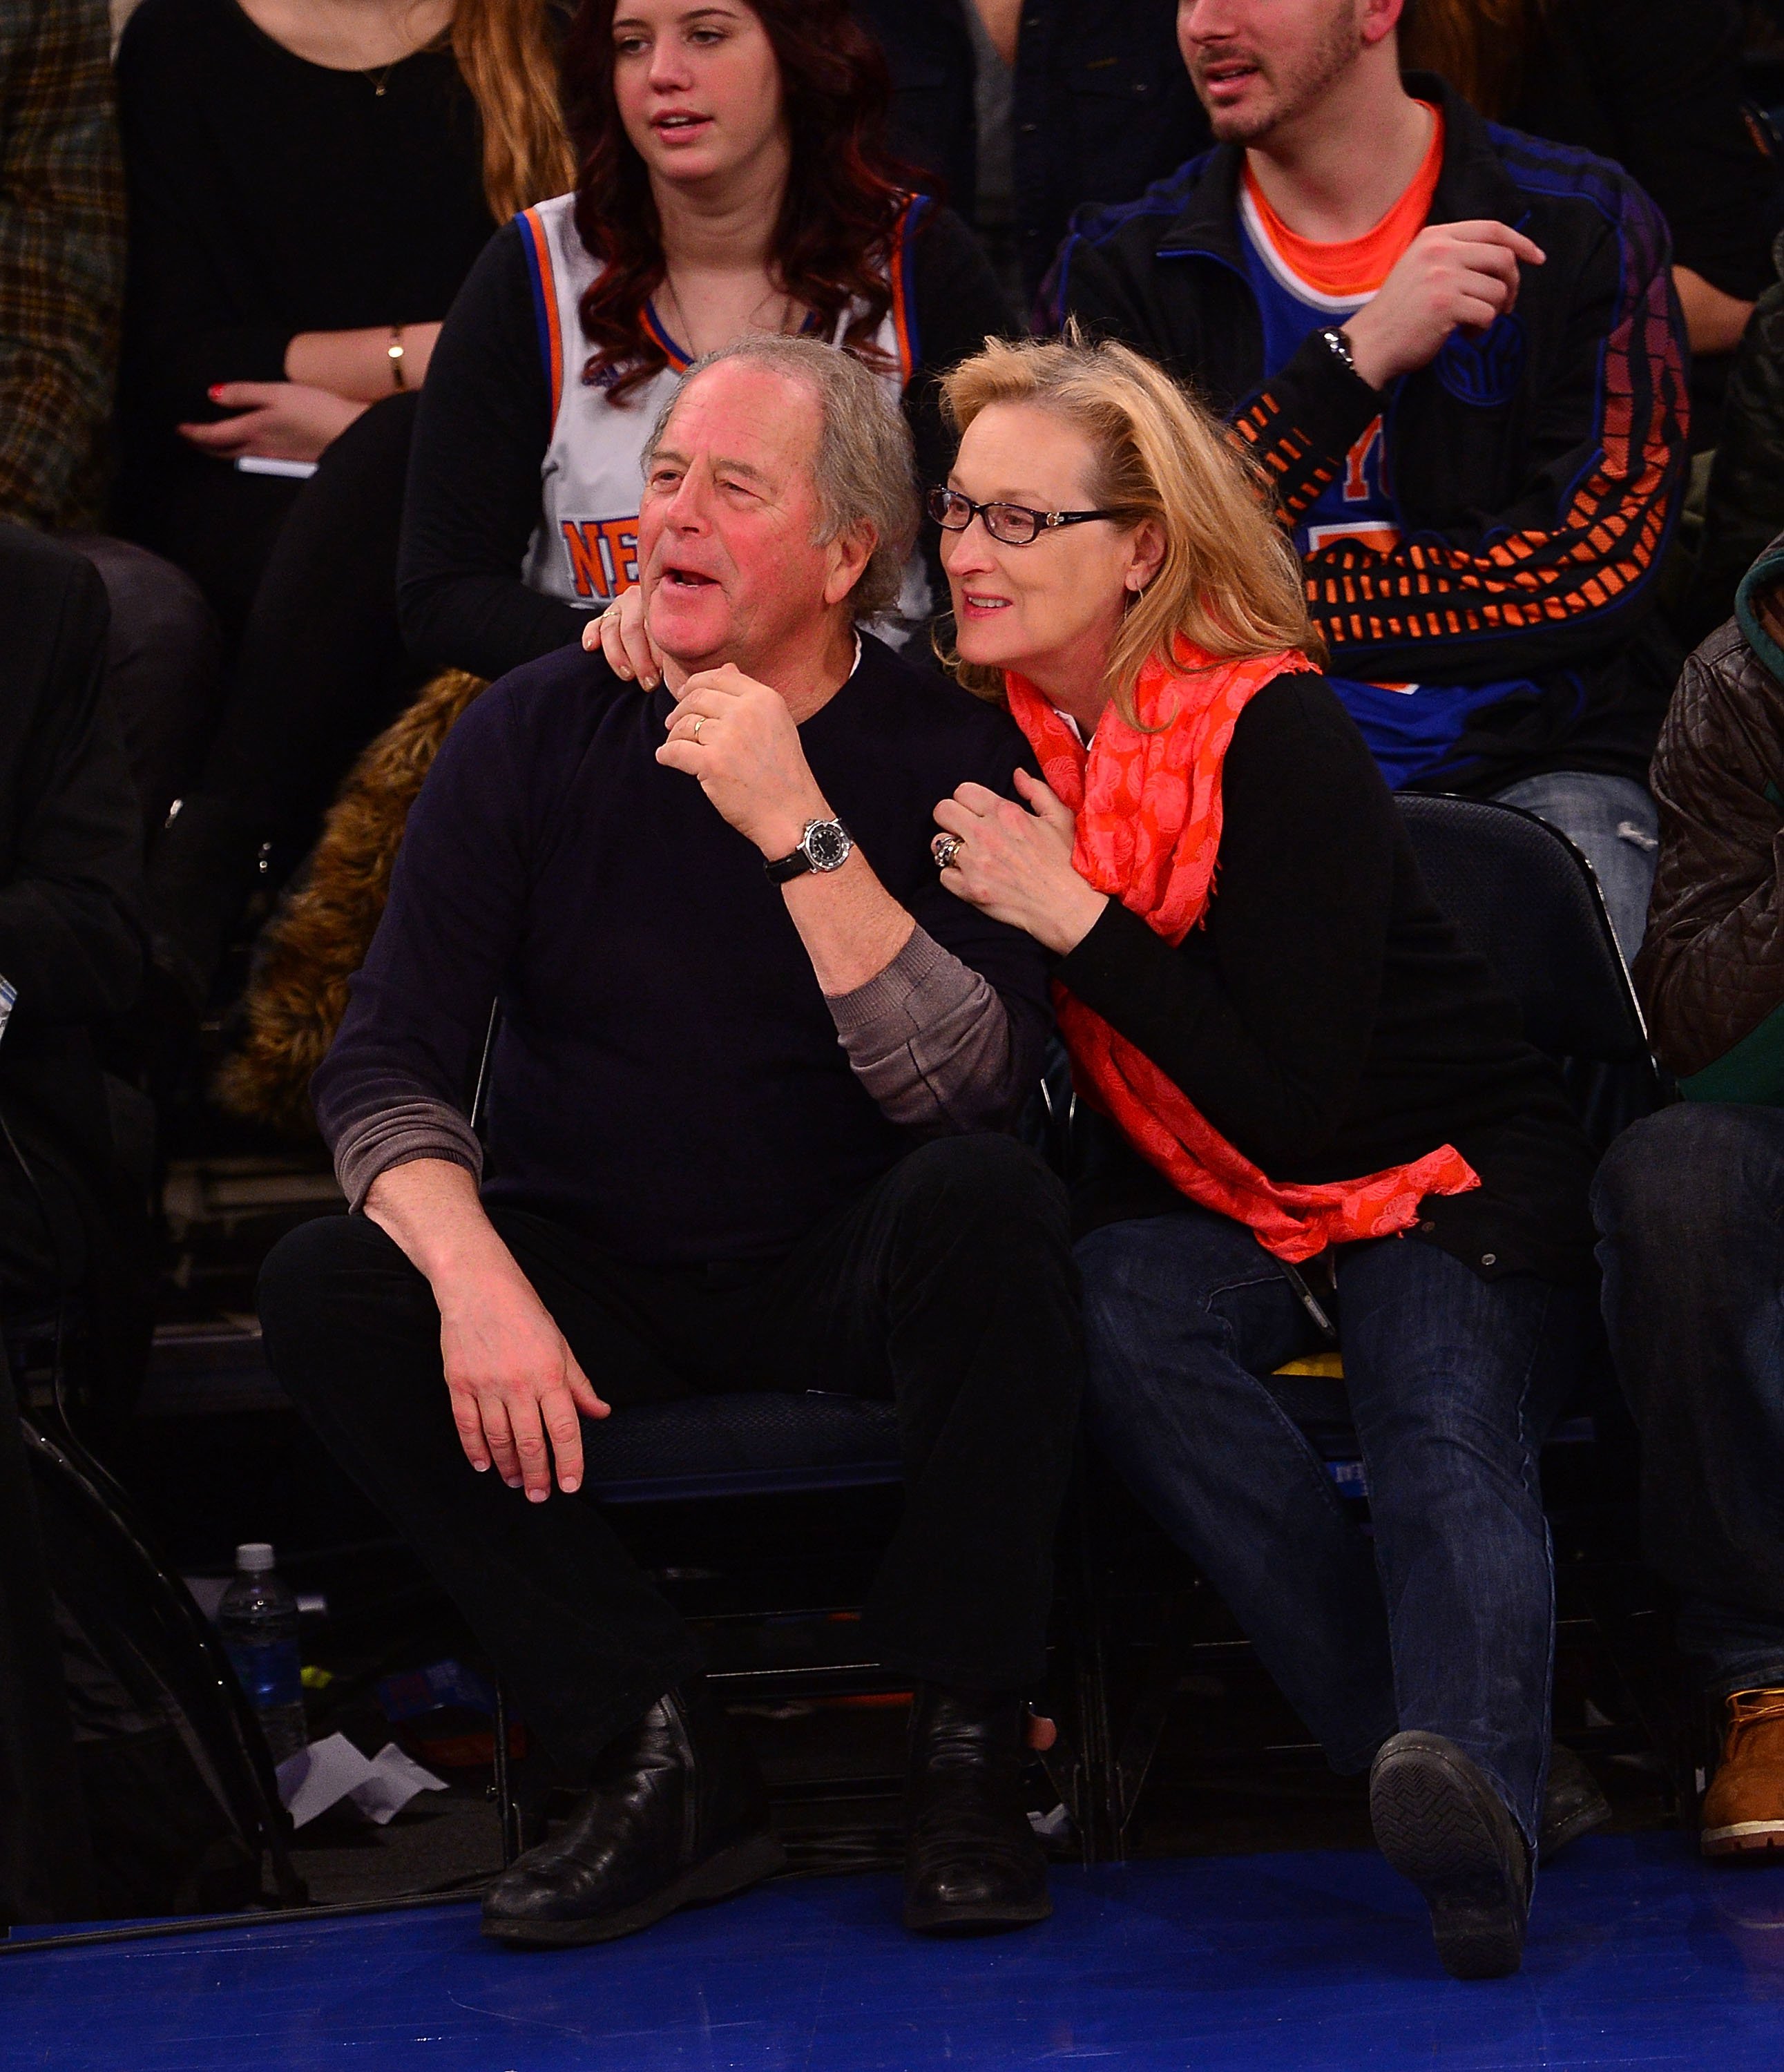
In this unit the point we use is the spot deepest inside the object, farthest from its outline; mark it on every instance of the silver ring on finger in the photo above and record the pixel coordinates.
(945, 848)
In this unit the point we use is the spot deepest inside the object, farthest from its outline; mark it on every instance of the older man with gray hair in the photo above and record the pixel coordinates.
(744, 1131)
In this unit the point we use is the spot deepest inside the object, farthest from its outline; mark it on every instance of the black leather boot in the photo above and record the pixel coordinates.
(1440, 1822)
(677, 1815)
(971, 1864)
(1573, 1806)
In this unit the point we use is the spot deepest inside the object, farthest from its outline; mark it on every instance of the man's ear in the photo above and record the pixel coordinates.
(846, 558)
(1376, 19)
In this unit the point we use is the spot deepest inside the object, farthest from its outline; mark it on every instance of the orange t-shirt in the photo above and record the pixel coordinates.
(1356, 267)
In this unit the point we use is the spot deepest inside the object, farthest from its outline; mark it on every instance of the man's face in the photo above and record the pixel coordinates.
(1259, 64)
(725, 534)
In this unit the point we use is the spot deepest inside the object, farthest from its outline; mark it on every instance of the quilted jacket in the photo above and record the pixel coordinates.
(1711, 972)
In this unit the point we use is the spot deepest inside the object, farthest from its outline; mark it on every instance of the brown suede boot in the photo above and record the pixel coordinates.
(1744, 1808)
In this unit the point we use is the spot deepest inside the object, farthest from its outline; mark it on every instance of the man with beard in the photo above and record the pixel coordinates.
(1455, 353)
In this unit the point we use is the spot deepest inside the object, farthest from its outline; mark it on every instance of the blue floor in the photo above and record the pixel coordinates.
(1640, 1956)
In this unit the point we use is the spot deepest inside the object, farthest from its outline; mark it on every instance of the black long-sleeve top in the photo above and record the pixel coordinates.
(668, 1078)
(485, 422)
(270, 196)
(1325, 1018)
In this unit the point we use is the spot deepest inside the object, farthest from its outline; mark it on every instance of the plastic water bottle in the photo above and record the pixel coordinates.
(258, 1620)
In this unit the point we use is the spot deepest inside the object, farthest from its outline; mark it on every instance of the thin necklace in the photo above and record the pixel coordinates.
(686, 329)
(379, 80)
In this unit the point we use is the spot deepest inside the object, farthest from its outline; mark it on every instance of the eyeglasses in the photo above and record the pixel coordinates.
(1013, 524)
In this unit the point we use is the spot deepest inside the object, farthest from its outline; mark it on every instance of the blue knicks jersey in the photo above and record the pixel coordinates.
(1411, 729)
(1357, 504)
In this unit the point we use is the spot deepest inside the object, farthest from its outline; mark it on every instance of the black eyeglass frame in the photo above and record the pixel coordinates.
(1043, 521)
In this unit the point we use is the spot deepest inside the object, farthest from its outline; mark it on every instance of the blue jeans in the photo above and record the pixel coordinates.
(1615, 821)
(1447, 1621)
(1690, 1205)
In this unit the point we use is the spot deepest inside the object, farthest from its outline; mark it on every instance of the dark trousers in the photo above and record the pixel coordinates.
(1444, 1621)
(948, 1287)
(321, 668)
(1690, 1207)
(163, 667)
(320, 672)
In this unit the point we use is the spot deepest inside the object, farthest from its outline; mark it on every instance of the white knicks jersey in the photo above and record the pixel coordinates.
(585, 549)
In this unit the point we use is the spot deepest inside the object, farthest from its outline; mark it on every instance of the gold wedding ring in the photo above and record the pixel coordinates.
(698, 724)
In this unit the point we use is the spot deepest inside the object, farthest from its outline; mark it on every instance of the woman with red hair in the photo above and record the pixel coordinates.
(732, 178)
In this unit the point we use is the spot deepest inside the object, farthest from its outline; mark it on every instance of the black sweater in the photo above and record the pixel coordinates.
(1325, 1019)
(668, 1078)
(269, 195)
(485, 423)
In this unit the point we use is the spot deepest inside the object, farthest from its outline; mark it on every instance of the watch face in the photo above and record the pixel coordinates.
(827, 845)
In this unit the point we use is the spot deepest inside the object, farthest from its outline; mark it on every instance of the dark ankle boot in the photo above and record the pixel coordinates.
(972, 1864)
(1573, 1806)
(677, 1815)
(1440, 1821)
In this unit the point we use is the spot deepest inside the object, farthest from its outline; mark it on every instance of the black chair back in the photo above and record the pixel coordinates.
(1523, 897)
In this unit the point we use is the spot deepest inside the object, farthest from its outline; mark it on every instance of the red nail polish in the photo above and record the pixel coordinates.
(215, 392)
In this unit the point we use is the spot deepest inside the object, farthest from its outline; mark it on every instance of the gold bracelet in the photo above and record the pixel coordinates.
(395, 352)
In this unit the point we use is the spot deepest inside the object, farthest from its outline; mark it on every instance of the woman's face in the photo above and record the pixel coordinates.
(1049, 610)
(698, 86)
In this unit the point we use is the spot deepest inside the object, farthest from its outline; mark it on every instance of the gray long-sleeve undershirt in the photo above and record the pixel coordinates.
(930, 1040)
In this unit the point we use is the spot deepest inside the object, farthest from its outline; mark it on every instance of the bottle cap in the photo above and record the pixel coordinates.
(253, 1556)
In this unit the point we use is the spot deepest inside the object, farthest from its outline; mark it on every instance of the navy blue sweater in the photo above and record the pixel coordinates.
(668, 1078)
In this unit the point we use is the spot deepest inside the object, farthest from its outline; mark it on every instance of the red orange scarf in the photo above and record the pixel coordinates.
(1148, 809)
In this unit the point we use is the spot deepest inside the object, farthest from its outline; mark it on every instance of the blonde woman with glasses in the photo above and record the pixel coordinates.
(1313, 1113)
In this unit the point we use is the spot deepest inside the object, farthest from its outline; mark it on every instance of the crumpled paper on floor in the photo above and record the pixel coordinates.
(331, 1769)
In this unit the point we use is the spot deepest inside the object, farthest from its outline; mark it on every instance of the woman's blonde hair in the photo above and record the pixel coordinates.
(507, 55)
(1230, 582)
(1479, 46)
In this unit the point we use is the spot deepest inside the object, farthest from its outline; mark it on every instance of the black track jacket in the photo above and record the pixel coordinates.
(1536, 471)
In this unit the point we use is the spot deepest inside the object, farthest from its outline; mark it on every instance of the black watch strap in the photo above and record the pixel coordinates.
(795, 865)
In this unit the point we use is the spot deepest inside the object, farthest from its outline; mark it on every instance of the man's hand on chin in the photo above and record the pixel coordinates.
(738, 739)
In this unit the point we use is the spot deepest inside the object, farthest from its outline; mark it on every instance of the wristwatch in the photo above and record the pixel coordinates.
(824, 845)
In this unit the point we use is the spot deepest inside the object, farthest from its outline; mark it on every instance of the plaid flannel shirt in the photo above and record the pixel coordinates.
(61, 258)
